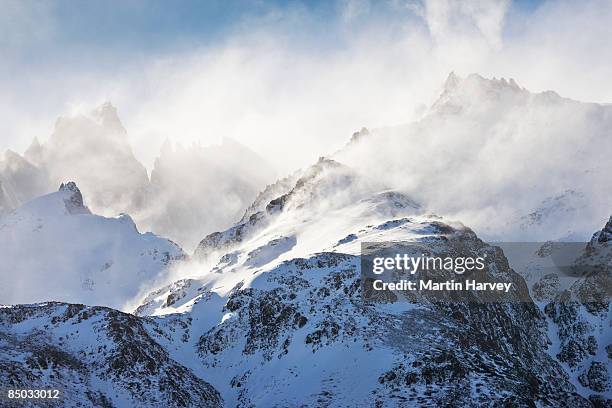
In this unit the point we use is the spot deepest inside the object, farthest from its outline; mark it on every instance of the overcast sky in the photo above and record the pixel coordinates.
(290, 79)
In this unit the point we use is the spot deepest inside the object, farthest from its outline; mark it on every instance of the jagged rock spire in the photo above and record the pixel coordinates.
(605, 234)
(74, 202)
(34, 152)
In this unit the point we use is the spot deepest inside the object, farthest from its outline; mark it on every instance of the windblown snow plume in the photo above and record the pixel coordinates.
(513, 164)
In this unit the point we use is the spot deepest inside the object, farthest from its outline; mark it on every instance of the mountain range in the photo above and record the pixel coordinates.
(176, 201)
(271, 311)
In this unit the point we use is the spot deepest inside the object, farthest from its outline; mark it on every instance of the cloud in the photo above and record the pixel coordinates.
(449, 20)
(295, 82)
(354, 8)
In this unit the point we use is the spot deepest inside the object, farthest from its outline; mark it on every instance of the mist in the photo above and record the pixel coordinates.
(511, 164)
(292, 87)
(291, 84)
(190, 193)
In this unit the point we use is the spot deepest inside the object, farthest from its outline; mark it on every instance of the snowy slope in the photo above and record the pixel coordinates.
(571, 283)
(279, 319)
(95, 357)
(326, 199)
(54, 248)
(580, 318)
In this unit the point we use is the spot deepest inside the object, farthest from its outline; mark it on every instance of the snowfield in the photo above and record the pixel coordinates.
(54, 248)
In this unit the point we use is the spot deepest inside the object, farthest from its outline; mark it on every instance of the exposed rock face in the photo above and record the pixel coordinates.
(303, 324)
(272, 191)
(219, 242)
(596, 377)
(270, 327)
(74, 202)
(605, 235)
(268, 204)
(547, 288)
(305, 327)
(439, 353)
(581, 317)
(96, 357)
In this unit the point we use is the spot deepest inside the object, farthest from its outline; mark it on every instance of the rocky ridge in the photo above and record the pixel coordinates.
(94, 356)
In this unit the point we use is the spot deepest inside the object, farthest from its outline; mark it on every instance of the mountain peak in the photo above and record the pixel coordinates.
(10, 155)
(106, 115)
(452, 81)
(74, 200)
(605, 234)
(14, 161)
(493, 83)
(360, 134)
(460, 92)
(105, 109)
(104, 119)
(477, 81)
(34, 152)
(69, 186)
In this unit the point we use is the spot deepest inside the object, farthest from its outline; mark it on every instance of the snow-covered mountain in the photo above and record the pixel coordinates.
(54, 248)
(569, 207)
(311, 213)
(490, 153)
(20, 181)
(94, 151)
(281, 320)
(271, 311)
(192, 190)
(94, 357)
(571, 283)
(282, 316)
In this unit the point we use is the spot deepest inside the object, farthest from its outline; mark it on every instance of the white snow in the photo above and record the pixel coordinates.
(50, 254)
